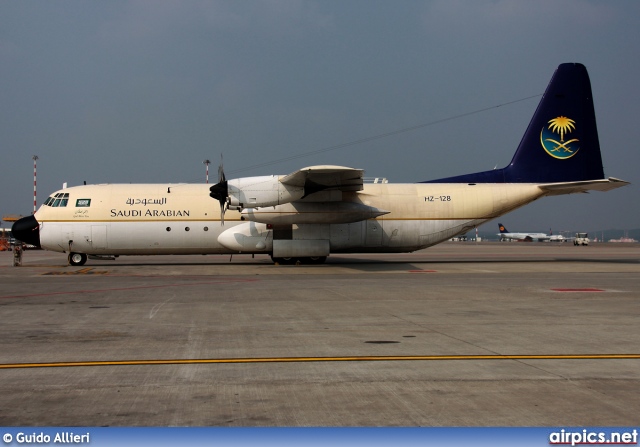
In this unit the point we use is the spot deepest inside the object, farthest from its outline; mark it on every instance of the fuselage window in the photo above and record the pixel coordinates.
(168, 228)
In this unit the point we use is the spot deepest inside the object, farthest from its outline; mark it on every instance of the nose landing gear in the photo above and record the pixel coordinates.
(77, 259)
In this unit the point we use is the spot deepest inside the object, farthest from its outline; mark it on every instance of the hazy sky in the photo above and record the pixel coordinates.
(144, 91)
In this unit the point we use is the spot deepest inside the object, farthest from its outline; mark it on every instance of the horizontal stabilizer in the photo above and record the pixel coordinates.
(556, 189)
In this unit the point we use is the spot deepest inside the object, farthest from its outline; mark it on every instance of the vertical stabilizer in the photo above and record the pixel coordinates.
(561, 142)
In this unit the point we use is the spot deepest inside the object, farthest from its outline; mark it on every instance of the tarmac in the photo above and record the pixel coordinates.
(460, 334)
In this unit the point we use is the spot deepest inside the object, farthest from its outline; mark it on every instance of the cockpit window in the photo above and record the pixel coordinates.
(60, 199)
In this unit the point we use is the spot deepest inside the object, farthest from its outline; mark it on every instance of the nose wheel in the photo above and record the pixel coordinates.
(77, 259)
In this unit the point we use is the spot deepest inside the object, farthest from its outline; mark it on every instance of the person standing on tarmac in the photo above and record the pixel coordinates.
(17, 255)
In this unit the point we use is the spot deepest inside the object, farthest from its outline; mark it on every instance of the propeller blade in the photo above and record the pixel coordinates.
(220, 192)
(221, 176)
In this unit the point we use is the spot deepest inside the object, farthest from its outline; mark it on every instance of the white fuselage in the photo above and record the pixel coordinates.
(524, 236)
(126, 219)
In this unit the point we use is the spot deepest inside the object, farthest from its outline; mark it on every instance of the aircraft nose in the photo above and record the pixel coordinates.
(27, 230)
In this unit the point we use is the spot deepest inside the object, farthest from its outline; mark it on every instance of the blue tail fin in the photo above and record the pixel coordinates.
(561, 143)
(502, 228)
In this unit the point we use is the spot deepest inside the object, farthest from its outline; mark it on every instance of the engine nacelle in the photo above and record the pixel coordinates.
(255, 192)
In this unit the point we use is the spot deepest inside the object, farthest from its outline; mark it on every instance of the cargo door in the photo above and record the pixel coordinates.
(373, 235)
(99, 236)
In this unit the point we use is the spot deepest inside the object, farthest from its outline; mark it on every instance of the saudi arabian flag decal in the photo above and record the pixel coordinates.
(555, 138)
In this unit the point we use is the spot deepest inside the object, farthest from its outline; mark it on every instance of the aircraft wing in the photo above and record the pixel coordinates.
(327, 177)
(553, 189)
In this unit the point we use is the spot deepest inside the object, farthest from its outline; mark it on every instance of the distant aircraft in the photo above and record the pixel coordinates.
(305, 216)
(557, 237)
(505, 235)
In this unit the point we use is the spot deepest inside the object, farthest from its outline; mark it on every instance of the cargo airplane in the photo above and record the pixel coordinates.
(315, 211)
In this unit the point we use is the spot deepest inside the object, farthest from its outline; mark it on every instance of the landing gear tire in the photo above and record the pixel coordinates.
(77, 259)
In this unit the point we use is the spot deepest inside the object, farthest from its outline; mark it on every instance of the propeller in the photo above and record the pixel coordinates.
(220, 191)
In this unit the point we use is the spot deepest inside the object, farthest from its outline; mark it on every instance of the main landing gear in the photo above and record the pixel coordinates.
(77, 259)
(299, 261)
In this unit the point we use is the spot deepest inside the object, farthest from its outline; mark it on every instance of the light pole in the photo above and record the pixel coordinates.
(207, 163)
(35, 201)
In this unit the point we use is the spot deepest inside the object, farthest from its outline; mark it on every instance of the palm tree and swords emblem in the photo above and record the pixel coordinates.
(549, 134)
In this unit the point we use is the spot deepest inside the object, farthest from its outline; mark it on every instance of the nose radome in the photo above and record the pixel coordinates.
(27, 230)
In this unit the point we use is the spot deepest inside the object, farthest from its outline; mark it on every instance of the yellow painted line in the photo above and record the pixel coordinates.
(324, 359)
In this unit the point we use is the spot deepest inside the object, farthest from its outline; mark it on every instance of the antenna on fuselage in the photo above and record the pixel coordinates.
(207, 162)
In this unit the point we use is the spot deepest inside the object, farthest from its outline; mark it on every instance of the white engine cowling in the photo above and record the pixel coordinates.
(253, 192)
